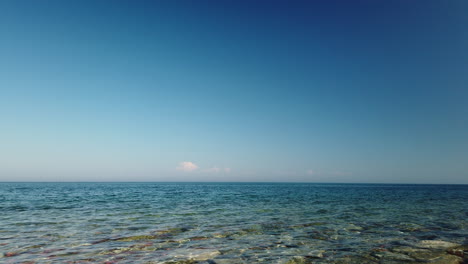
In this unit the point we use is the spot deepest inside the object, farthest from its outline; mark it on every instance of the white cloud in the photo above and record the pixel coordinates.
(310, 172)
(187, 166)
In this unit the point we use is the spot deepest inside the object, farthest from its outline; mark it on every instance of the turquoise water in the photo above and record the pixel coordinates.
(223, 222)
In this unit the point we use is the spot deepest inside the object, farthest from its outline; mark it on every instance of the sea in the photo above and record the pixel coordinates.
(231, 223)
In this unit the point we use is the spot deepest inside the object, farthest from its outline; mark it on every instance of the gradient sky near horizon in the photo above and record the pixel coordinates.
(308, 91)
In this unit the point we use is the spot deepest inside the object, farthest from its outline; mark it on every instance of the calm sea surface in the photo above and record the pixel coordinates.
(224, 222)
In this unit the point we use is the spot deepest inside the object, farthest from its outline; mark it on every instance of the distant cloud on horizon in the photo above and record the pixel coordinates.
(187, 166)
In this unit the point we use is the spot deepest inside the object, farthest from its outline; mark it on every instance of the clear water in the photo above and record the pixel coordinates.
(270, 223)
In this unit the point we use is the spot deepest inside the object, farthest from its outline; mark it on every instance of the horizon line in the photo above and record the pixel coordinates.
(251, 182)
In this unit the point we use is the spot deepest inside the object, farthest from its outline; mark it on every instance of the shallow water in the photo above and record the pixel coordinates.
(230, 222)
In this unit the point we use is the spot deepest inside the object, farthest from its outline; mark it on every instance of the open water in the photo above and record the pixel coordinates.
(226, 222)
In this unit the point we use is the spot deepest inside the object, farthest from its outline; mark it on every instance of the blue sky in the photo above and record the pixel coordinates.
(315, 91)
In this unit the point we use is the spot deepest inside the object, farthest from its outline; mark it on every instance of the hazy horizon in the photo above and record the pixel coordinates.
(237, 182)
(234, 91)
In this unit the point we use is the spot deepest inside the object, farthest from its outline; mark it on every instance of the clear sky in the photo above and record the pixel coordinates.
(314, 91)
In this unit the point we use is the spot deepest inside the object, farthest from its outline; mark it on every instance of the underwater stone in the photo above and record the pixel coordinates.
(229, 261)
(133, 238)
(10, 254)
(315, 254)
(435, 244)
(188, 261)
(195, 254)
(419, 254)
(298, 260)
(353, 227)
(219, 235)
(461, 251)
(199, 238)
(357, 260)
(448, 259)
(392, 256)
(206, 255)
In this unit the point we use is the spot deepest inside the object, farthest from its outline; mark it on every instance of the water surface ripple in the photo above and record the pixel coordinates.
(224, 222)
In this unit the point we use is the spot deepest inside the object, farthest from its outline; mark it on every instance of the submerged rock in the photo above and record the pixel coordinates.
(411, 227)
(315, 254)
(387, 255)
(461, 251)
(205, 255)
(134, 238)
(229, 261)
(298, 260)
(194, 255)
(353, 227)
(433, 253)
(11, 254)
(356, 260)
(447, 259)
(185, 261)
(435, 244)
(418, 254)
